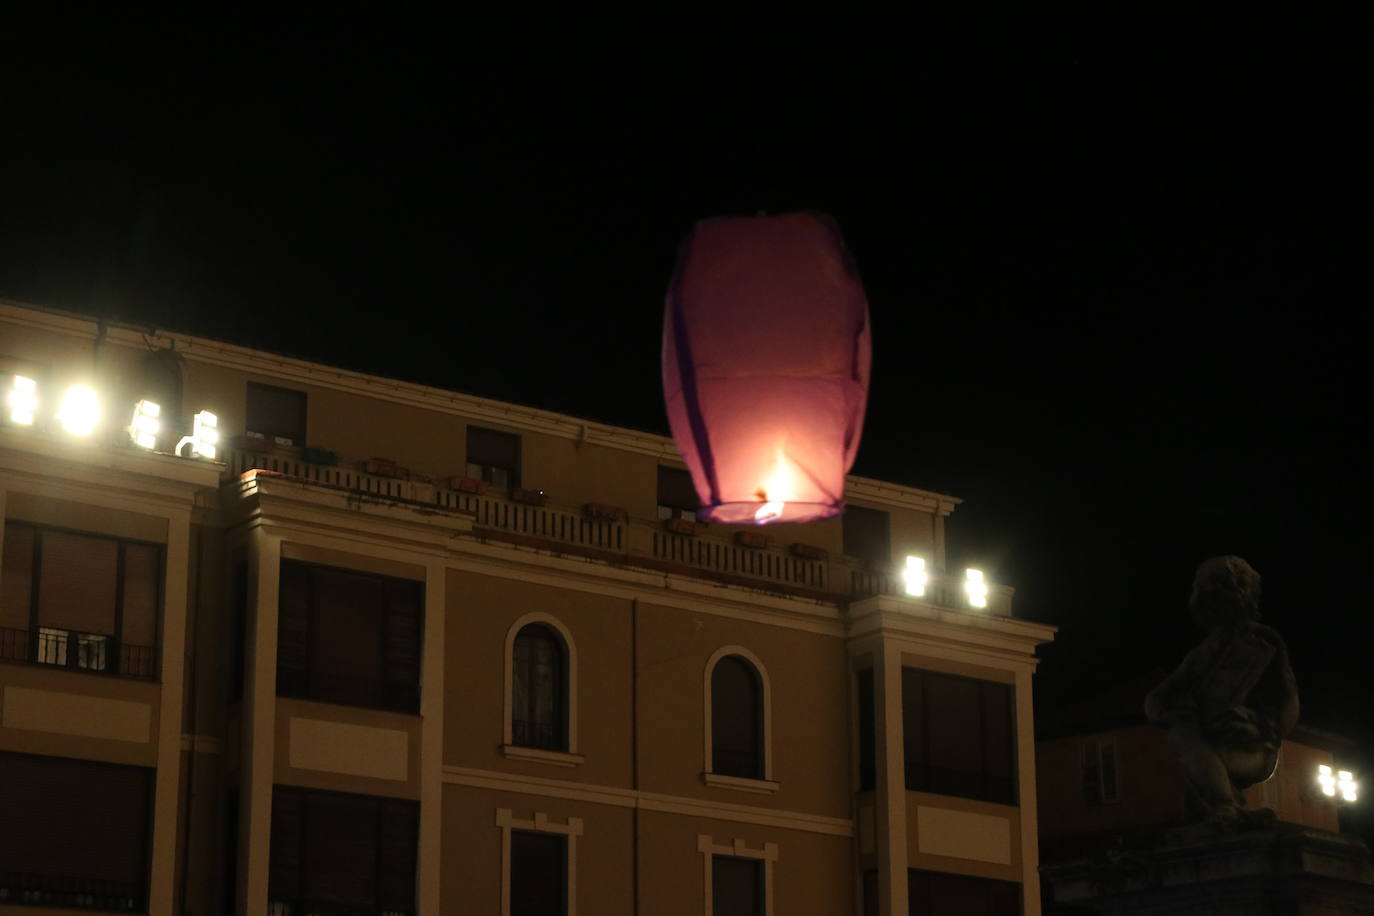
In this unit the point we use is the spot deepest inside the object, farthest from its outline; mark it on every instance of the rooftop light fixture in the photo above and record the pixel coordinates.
(1342, 781)
(915, 577)
(766, 354)
(204, 436)
(22, 400)
(144, 428)
(975, 588)
(80, 411)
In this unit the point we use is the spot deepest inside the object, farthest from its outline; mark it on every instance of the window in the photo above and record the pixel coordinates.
(959, 736)
(349, 637)
(933, 893)
(736, 886)
(494, 457)
(74, 833)
(737, 746)
(539, 704)
(868, 739)
(277, 413)
(1099, 772)
(677, 495)
(79, 601)
(866, 534)
(334, 853)
(870, 893)
(538, 874)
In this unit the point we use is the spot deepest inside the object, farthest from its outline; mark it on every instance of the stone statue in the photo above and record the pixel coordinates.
(1230, 703)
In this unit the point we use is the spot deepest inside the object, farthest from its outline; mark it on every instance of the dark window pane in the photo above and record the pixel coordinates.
(16, 579)
(868, 740)
(959, 736)
(999, 742)
(914, 728)
(931, 893)
(866, 534)
(1109, 790)
(276, 412)
(77, 582)
(339, 857)
(736, 886)
(539, 690)
(75, 826)
(284, 869)
(736, 719)
(538, 874)
(494, 456)
(954, 751)
(346, 651)
(870, 893)
(400, 828)
(676, 491)
(142, 585)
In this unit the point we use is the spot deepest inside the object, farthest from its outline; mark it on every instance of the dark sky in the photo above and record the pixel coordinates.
(1117, 262)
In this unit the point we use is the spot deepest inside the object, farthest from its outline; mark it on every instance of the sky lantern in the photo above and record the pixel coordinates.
(766, 356)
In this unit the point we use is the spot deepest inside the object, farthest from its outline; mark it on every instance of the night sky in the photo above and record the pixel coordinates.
(1117, 262)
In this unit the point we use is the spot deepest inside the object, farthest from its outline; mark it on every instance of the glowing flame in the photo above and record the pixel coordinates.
(776, 491)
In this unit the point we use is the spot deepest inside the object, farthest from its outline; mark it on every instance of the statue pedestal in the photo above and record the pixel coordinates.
(1284, 869)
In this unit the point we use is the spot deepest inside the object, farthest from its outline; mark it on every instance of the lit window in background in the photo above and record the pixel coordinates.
(975, 587)
(145, 425)
(22, 400)
(80, 411)
(915, 576)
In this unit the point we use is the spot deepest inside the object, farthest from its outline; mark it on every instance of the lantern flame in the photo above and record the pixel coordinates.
(776, 490)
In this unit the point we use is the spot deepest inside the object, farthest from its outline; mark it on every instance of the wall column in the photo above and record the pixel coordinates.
(177, 567)
(432, 741)
(256, 759)
(890, 797)
(1025, 758)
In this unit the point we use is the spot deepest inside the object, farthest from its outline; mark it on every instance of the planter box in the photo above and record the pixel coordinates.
(385, 467)
(753, 540)
(605, 512)
(682, 526)
(529, 497)
(467, 484)
(808, 552)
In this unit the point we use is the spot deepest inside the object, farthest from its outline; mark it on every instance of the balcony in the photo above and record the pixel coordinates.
(94, 652)
(632, 542)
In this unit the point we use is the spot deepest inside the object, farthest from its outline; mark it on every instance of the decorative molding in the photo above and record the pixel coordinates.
(539, 822)
(618, 797)
(738, 849)
(570, 648)
(556, 758)
(766, 699)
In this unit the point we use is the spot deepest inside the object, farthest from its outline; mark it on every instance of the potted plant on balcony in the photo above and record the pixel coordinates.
(467, 484)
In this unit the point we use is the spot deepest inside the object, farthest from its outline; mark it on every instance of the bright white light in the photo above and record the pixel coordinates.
(145, 425)
(80, 411)
(915, 576)
(22, 400)
(975, 587)
(1346, 783)
(1326, 780)
(204, 436)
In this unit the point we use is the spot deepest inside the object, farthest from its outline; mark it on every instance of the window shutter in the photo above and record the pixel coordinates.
(77, 584)
(403, 619)
(276, 412)
(346, 656)
(341, 844)
(736, 886)
(284, 870)
(954, 739)
(538, 874)
(400, 834)
(293, 629)
(999, 742)
(868, 740)
(16, 581)
(142, 575)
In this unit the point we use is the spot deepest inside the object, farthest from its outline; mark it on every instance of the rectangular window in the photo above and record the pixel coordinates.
(736, 886)
(349, 637)
(866, 534)
(870, 893)
(959, 736)
(868, 736)
(341, 853)
(933, 893)
(74, 833)
(494, 457)
(276, 413)
(1099, 772)
(538, 873)
(80, 601)
(677, 495)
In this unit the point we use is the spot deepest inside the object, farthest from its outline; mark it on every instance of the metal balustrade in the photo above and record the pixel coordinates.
(70, 891)
(59, 648)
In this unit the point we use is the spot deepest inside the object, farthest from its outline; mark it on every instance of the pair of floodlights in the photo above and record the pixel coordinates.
(915, 579)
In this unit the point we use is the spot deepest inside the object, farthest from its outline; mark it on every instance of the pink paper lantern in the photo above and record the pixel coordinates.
(766, 356)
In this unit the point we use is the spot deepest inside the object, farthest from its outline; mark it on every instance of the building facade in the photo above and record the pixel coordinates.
(500, 670)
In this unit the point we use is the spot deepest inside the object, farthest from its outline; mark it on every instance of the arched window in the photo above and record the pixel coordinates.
(539, 689)
(737, 724)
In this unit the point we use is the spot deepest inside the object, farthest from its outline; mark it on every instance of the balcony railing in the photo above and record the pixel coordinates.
(71, 892)
(633, 542)
(76, 651)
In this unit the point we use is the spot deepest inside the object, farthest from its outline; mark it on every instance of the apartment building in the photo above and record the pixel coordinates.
(345, 645)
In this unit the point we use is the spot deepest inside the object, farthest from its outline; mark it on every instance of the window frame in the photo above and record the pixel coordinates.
(114, 644)
(312, 613)
(737, 848)
(766, 784)
(570, 757)
(539, 822)
(271, 435)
